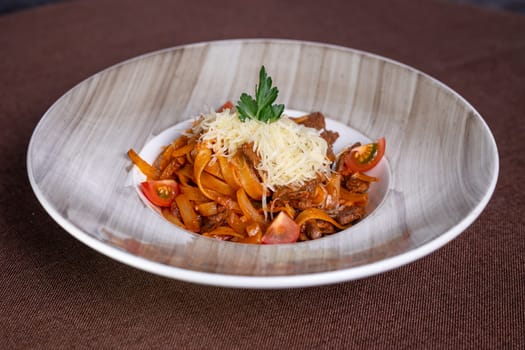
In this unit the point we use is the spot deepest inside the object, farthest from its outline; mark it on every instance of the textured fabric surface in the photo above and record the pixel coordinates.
(57, 293)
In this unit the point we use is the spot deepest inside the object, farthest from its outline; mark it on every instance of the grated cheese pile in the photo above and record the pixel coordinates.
(290, 153)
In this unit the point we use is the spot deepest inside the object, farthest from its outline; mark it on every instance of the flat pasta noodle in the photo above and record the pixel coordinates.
(187, 212)
(228, 172)
(235, 222)
(354, 197)
(193, 193)
(213, 168)
(223, 231)
(147, 169)
(183, 151)
(247, 177)
(213, 183)
(201, 160)
(207, 208)
(169, 169)
(165, 157)
(168, 215)
(316, 214)
(248, 208)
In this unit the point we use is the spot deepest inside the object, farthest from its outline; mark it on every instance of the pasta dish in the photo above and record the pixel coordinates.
(249, 173)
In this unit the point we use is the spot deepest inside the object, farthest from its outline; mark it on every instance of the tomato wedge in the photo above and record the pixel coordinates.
(160, 192)
(282, 230)
(365, 157)
(226, 105)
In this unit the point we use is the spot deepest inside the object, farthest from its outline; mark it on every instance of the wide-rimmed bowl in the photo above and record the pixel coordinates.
(443, 162)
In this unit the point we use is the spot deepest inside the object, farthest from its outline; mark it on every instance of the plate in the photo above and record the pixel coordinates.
(441, 159)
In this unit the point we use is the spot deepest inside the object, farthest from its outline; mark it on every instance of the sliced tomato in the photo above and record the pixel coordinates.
(160, 192)
(226, 105)
(282, 230)
(365, 157)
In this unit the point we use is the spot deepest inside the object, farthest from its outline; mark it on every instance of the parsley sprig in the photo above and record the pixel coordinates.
(261, 107)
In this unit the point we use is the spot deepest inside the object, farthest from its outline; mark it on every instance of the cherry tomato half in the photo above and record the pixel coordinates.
(282, 230)
(226, 105)
(365, 157)
(160, 192)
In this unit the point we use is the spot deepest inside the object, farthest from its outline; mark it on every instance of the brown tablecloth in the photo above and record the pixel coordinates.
(56, 292)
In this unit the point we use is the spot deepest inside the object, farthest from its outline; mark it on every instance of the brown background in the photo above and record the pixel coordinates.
(57, 293)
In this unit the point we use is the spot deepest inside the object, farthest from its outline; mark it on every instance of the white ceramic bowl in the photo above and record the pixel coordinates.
(443, 162)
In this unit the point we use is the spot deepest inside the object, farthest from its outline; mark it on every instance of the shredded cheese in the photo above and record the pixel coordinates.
(290, 153)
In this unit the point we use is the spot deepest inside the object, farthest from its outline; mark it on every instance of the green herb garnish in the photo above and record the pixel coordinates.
(261, 107)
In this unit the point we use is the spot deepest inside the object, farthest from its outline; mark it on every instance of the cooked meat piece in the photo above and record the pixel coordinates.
(303, 237)
(348, 215)
(312, 229)
(288, 192)
(355, 185)
(209, 223)
(330, 136)
(317, 228)
(302, 204)
(325, 227)
(313, 120)
(249, 153)
(299, 203)
(300, 197)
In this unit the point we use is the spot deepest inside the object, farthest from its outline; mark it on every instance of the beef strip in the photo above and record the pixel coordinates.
(313, 120)
(325, 227)
(297, 197)
(348, 215)
(317, 228)
(209, 223)
(330, 137)
(355, 185)
(312, 230)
